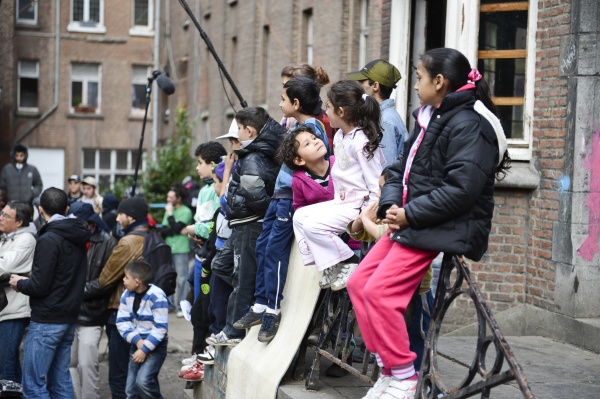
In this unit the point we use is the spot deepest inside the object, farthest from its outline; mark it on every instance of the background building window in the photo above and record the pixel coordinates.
(27, 12)
(502, 56)
(139, 79)
(87, 16)
(85, 88)
(29, 73)
(142, 13)
(109, 166)
(307, 35)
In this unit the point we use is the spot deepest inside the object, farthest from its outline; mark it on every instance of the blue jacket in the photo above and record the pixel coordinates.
(394, 132)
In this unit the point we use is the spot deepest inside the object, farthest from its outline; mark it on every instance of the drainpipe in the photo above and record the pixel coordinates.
(50, 111)
(156, 67)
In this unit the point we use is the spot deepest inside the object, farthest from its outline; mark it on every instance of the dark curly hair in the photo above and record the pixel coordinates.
(211, 151)
(288, 149)
(362, 113)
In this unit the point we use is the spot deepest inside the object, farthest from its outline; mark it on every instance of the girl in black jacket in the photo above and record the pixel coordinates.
(439, 198)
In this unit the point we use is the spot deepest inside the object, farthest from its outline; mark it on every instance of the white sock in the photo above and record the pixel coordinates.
(273, 311)
(258, 308)
(403, 372)
(378, 359)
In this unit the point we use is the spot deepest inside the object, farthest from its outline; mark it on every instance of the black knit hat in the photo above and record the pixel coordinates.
(136, 207)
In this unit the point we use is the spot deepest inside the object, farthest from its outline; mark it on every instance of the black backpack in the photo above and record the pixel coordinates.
(158, 254)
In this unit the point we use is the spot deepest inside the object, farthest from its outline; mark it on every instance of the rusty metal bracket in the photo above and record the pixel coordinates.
(430, 384)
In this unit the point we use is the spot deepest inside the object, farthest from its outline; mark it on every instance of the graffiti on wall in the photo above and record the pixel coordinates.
(589, 248)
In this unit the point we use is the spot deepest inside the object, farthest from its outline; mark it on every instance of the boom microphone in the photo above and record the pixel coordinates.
(164, 83)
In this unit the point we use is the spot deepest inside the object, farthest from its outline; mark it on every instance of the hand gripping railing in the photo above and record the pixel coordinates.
(430, 384)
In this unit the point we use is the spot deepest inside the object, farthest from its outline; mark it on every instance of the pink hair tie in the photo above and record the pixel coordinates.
(474, 76)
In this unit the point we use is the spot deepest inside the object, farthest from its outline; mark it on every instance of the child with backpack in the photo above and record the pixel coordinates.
(438, 198)
(355, 176)
(299, 100)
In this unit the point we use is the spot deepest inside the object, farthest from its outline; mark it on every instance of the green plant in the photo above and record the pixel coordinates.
(174, 161)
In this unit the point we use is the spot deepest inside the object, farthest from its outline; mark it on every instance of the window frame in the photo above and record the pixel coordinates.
(23, 21)
(85, 26)
(139, 111)
(142, 30)
(84, 89)
(20, 75)
(112, 171)
(465, 38)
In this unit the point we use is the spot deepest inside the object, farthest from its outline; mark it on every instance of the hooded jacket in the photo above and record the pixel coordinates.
(55, 287)
(451, 183)
(94, 308)
(20, 184)
(253, 179)
(16, 256)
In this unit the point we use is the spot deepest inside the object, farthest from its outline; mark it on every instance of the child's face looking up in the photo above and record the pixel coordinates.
(204, 169)
(310, 148)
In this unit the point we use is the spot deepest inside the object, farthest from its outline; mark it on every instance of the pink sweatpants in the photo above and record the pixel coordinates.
(381, 289)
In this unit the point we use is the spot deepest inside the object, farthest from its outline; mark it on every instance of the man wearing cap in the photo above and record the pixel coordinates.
(92, 316)
(132, 217)
(379, 79)
(90, 193)
(74, 192)
(18, 180)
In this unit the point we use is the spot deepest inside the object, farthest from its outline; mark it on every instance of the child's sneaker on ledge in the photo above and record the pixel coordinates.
(196, 373)
(379, 387)
(400, 389)
(248, 320)
(222, 340)
(189, 361)
(269, 327)
(344, 274)
(329, 276)
(208, 357)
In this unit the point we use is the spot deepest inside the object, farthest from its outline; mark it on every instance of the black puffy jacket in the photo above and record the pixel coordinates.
(253, 179)
(451, 184)
(94, 310)
(55, 287)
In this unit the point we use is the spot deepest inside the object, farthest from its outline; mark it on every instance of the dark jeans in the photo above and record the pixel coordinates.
(118, 361)
(273, 249)
(11, 332)
(200, 319)
(420, 326)
(142, 378)
(243, 241)
(217, 308)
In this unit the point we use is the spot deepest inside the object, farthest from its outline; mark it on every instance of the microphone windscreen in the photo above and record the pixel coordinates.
(165, 84)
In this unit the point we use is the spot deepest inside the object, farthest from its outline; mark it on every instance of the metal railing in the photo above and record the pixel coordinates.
(336, 321)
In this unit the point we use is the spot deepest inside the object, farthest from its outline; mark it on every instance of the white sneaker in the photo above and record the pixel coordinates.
(189, 361)
(400, 389)
(343, 275)
(379, 387)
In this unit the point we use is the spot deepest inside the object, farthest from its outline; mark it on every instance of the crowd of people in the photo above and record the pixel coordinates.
(331, 180)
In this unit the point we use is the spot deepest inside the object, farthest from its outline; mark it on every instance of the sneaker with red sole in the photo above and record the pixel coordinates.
(196, 373)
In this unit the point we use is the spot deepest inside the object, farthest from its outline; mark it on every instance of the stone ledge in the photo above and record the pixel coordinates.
(522, 175)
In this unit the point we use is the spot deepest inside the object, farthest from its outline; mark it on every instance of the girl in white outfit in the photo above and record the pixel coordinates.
(355, 176)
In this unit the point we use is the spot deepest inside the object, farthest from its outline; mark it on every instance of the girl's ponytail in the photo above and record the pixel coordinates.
(370, 119)
(360, 110)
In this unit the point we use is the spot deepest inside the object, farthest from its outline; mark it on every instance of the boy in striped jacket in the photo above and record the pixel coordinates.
(142, 320)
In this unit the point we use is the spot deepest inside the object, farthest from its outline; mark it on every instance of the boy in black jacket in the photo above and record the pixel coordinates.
(248, 197)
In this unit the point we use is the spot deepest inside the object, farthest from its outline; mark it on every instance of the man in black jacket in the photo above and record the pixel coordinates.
(55, 290)
(93, 313)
